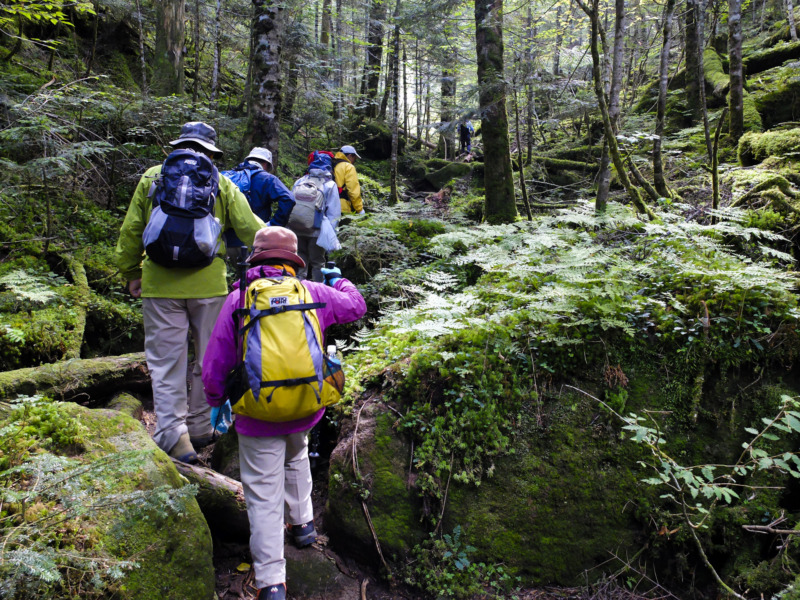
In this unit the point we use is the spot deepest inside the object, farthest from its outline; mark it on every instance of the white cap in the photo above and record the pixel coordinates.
(350, 150)
(260, 154)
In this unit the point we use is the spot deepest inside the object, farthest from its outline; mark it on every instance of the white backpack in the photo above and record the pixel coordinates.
(309, 199)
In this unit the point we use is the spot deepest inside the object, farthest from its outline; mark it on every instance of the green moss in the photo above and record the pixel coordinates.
(416, 234)
(127, 404)
(771, 57)
(714, 73)
(752, 118)
(438, 179)
(777, 95)
(559, 164)
(755, 147)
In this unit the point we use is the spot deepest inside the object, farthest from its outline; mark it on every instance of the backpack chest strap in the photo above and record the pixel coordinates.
(275, 310)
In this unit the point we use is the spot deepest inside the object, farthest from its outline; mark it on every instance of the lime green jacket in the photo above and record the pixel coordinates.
(231, 208)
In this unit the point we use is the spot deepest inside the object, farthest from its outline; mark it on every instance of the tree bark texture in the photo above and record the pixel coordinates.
(558, 41)
(447, 139)
(372, 67)
(661, 107)
(142, 57)
(87, 379)
(168, 77)
(196, 36)
(394, 196)
(736, 102)
(693, 51)
(325, 37)
(790, 17)
(215, 70)
(500, 204)
(267, 89)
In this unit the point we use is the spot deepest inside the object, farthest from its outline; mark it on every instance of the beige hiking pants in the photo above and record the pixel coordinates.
(276, 477)
(167, 322)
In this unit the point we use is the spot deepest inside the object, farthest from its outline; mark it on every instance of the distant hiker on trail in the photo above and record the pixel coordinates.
(347, 180)
(465, 132)
(316, 214)
(273, 454)
(261, 188)
(171, 253)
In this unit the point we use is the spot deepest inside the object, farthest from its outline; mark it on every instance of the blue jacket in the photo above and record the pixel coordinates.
(265, 188)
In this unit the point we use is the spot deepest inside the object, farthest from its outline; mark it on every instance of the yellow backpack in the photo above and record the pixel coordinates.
(285, 375)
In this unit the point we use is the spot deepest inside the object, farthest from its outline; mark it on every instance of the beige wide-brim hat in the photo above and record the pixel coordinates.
(275, 243)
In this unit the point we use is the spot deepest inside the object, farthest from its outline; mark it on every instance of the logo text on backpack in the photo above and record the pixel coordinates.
(279, 301)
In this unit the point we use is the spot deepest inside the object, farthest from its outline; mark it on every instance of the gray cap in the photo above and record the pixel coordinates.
(350, 150)
(260, 154)
(197, 131)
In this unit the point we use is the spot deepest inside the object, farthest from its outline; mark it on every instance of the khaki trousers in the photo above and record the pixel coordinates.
(276, 477)
(167, 323)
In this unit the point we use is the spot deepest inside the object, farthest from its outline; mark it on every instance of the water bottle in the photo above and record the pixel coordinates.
(332, 355)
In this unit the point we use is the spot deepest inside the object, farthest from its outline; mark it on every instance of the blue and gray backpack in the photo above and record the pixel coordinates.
(182, 230)
(242, 177)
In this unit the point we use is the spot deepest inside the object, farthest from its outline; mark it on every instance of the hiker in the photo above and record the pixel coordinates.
(347, 180)
(175, 264)
(465, 132)
(316, 213)
(273, 456)
(261, 188)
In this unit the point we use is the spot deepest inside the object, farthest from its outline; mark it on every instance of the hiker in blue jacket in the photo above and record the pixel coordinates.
(256, 181)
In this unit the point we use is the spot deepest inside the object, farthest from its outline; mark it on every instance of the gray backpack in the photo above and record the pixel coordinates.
(309, 202)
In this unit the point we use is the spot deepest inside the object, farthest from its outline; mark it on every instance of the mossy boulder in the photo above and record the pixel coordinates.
(438, 179)
(778, 99)
(375, 140)
(756, 147)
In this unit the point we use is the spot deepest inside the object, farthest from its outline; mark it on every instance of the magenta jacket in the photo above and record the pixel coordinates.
(343, 304)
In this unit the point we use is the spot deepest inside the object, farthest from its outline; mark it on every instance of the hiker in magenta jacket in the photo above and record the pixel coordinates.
(273, 457)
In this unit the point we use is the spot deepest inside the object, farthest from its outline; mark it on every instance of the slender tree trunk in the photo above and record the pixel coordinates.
(522, 186)
(447, 139)
(325, 38)
(790, 17)
(392, 66)
(661, 110)
(405, 91)
(608, 129)
(215, 70)
(90, 64)
(337, 107)
(500, 204)
(393, 197)
(142, 58)
(267, 90)
(558, 41)
(372, 67)
(693, 52)
(604, 177)
(168, 77)
(196, 31)
(736, 102)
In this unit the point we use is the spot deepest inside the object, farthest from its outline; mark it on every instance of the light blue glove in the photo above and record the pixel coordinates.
(331, 275)
(221, 417)
(361, 212)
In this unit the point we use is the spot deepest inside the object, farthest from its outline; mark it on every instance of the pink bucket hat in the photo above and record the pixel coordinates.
(275, 242)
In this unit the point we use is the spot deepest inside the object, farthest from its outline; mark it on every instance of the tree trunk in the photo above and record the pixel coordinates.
(221, 500)
(325, 38)
(500, 204)
(558, 41)
(267, 91)
(393, 197)
(736, 103)
(608, 130)
(168, 77)
(525, 201)
(391, 67)
(661, 110)
(93, 53)
(81, 284)
(790, 17)
(215, 70)
(87, 379)
(693, 51)
(372, 67)
(196, 86)
(337, 107)
(447, 138)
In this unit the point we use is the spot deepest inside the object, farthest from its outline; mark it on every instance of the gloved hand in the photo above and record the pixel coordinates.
(221, 417)
(331, 275)
(361, 212)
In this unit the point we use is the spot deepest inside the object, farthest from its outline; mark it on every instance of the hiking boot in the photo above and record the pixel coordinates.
(275, 591)
(304, 535)
(183, 450)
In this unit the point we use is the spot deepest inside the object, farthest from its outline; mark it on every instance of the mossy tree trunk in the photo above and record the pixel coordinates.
(393, 197)
(608, 130)
(736, 102)
(604, 178)
(168, 77)
(196, 40)
(661, 110)
(790, 18)
(447, 138)
(558, 41)
(372, 67)
(694, 76)
(325, 37)
(215, 69)
(500, 204)
(267, 89)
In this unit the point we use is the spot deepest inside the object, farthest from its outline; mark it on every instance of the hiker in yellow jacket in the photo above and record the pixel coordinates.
(344, 173)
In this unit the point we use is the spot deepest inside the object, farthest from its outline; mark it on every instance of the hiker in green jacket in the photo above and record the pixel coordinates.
(177, 298)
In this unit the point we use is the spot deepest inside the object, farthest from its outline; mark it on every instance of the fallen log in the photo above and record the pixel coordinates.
(221, 500)
(416, 139)
(78, 380)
